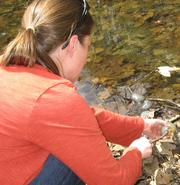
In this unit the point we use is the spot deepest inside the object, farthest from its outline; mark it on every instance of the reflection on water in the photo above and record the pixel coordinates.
(131, 39)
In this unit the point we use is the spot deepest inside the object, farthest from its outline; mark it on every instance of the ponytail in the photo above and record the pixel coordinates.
(22, 47)
(24, 50)
(47, 24)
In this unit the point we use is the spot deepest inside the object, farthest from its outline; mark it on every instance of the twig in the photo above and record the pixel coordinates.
(173, 107)
(154, 140)
(165, 100)
(176, 118)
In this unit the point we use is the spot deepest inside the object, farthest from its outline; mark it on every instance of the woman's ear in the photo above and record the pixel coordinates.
(73, 43)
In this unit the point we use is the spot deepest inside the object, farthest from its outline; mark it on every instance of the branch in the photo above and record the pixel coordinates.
(165, 100)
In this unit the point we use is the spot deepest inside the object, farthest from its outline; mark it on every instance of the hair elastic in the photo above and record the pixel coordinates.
(31, 28)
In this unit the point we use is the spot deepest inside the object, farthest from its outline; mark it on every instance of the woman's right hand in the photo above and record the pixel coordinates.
(143, 145)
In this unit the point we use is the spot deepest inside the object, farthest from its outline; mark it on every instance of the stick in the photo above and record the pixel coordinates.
(165, 100)
(176, 118)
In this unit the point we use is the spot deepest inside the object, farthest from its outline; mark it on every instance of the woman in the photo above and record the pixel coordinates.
(48, 134)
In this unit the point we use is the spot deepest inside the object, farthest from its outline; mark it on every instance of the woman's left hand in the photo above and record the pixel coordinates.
(153, 128)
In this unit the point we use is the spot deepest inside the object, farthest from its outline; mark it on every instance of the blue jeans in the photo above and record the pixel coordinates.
(55, 172)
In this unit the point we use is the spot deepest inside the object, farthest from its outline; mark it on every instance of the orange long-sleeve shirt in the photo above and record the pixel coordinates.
(41, 113)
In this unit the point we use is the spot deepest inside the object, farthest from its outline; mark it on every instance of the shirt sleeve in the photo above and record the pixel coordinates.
(63, 124)
(119, 129)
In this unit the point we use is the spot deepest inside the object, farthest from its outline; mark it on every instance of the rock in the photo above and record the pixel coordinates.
(162, 178)
(178, 136)
(116, 107)
(104, 94)
(137, 97)
(178, 124)
(147, 114)
(166, 165)
(139, 89)
(165, 148)
(152, 183)
(150, 165)
(124, 92)
(118, 148)
(146, 105)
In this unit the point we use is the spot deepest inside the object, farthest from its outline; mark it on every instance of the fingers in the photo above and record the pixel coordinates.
(159, 127)
(155, 128)
(161, 122)
(159, 130)
(144, 146)
(155, 131)
(148, 152)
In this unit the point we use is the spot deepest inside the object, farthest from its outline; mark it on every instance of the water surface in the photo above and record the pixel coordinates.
(131, 39)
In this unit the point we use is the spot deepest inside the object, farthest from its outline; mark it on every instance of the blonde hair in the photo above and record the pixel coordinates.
(45, 25)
